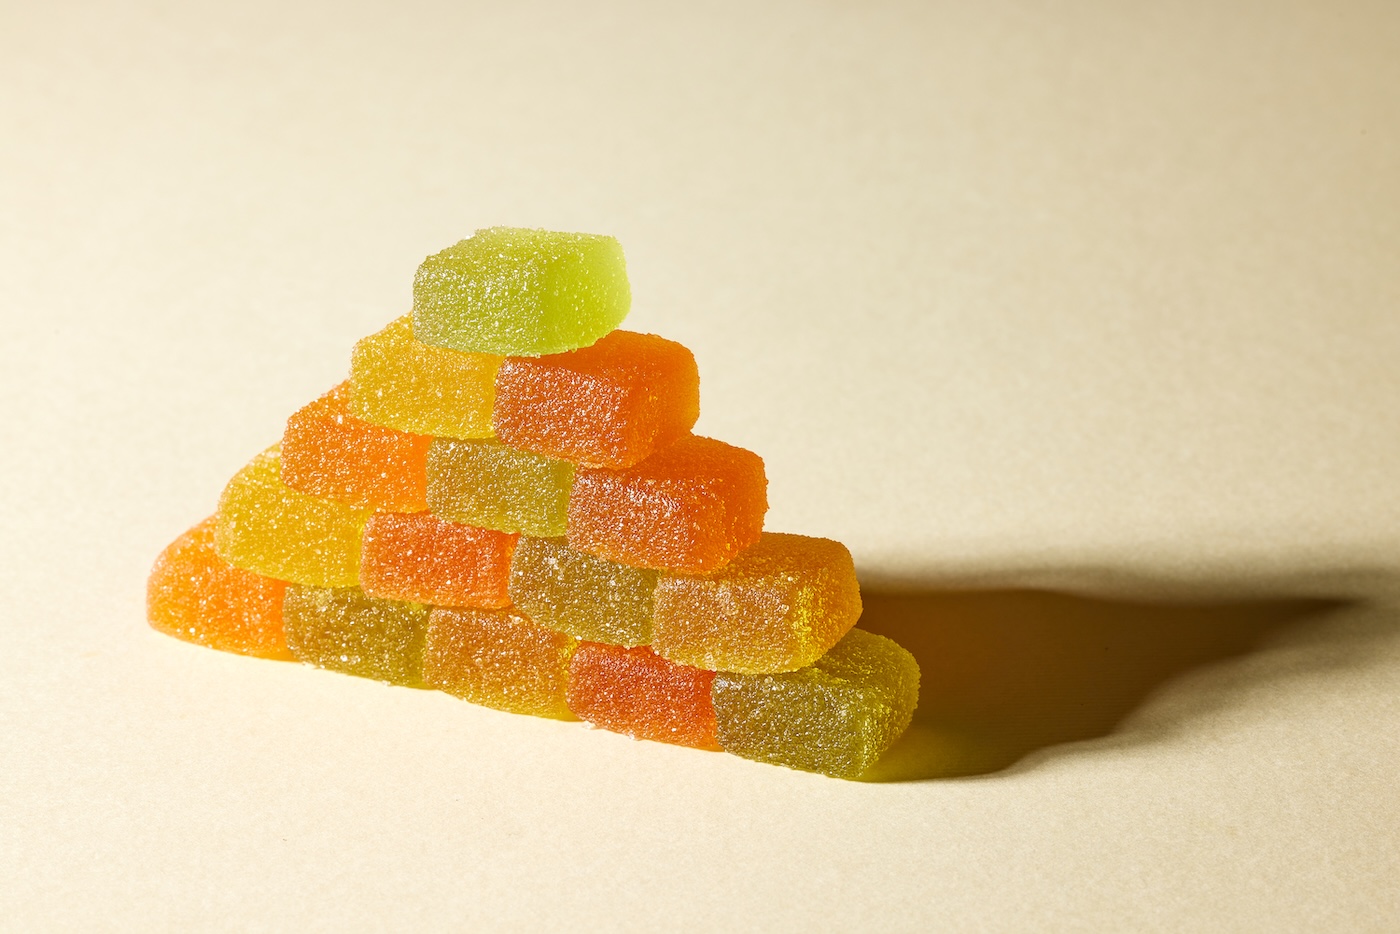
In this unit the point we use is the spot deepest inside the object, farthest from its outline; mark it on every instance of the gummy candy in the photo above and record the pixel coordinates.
(692, 506)
(489, 485)
(580, 594)
(195, 595)
(424, 559)
(608, 405)
(776, 607)
(500, 659)
(836, 716)
(636, 692)
(328, 452)
(400, 382)
(521, 292)
(269, 528)
(342, 629)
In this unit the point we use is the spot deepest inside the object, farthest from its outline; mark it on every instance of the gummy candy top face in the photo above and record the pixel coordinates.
(608, 405)
(521, 292)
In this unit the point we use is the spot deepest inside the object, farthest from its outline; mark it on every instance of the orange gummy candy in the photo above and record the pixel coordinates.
(423, 559)
(328, 452)
(498, 658)
(608, 405)
(636, 692)
(692, 506)
(195, 595)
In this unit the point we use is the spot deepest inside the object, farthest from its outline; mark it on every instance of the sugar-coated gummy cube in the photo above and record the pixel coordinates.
(608, 405)
(343, 629)
(778, 606)
(581, 594)
(269, 528)
(328, 452)
(398, 381)
(692, 506)
(195, 595)
(836, 716)
(421, 558)
(499, 658)
(521, 292)
(491, 486)
(636, 692)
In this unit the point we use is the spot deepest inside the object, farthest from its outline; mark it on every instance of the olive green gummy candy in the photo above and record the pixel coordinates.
(837, 716)
(521, 292)
(343, 629)
(588, 597)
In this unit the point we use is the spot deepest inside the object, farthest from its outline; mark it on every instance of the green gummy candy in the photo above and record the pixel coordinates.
(343, 629)
(836, 716)
(521, 292)
(588, 597)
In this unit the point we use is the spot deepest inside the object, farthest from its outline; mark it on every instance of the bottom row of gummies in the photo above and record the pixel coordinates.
(835, 716)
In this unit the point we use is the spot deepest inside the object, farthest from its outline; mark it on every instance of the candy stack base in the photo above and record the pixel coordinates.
(505, 501)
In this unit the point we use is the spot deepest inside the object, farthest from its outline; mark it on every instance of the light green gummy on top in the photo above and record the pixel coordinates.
(520, 292)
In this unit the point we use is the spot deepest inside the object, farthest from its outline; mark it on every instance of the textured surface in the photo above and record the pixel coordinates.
(608, 405)
(265, 526)
(499, 658)
(836, 716)
(489, 485)
(398, 381)
(522, 292)
(424, 559)
(195, 595)
(776, 607)
(581, 594)
(692, 506)
(328, 452)
(638, 693)
(344, 630)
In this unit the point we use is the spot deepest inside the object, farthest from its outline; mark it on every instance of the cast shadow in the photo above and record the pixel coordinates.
(1009, 673)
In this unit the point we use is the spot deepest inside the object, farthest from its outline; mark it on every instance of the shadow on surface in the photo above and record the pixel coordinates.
(1007, 673)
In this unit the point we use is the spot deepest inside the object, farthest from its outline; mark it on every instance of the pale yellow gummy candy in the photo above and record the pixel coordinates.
(266, 527)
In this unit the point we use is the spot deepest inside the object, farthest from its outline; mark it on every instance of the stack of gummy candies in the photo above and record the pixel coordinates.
(505, 502)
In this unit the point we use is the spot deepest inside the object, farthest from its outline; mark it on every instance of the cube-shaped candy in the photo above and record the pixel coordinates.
(608, 405)
(491, 486)
(195, 595)
(778, 606)
(499, 658)
(836, 716)
(636, 692)
(398, 381)
(269, 528)
(521, 292)
(691, 506)
(581, 594)
(424, 559)
(328, 452)
(342, 629)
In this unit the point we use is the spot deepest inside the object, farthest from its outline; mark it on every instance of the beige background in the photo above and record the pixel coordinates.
(1095, 300)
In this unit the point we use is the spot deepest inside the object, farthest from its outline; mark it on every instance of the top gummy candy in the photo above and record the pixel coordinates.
(520, 292)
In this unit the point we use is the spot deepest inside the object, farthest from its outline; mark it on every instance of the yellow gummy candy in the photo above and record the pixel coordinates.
(266, 527)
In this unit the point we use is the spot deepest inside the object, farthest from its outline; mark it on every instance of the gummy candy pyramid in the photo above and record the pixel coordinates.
(505, 502)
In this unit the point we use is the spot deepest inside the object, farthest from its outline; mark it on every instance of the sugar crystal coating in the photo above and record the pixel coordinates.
(581, 594)
(776, 607)
(608, 405)
(195, 595)
(837, 716)
(638, 693)
(269, 528)
(328, 452)
(342, 629)
(486, 484)
(521, 292)
(692, 506)
(499, 658)
(421, 558)
(398, 381)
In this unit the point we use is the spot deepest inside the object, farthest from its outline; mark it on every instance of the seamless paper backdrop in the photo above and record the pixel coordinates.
(1076, 322)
